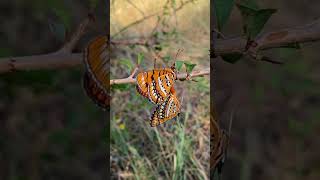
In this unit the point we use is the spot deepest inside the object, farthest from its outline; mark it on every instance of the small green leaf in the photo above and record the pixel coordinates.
(232, 57)
(254, 19)
(140, 58)
(121, 87)
(189, 66)
(178, 65)
(128, 63)
(246, 10)
(223, 9)
(250, 3)
(259, 20)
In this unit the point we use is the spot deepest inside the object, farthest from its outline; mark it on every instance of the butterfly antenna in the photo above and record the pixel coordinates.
(175, 58)
(178, 53)
(154, 63)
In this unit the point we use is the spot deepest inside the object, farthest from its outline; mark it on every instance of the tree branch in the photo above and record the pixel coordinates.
(44, 61)
(301, 34)
(180, 76)
(65, 59)
(68, 47)
(62, 58)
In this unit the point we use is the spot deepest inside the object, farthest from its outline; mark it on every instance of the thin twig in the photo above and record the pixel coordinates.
(68, 47)
(145, 18)
(136, 7)
(301, 34)
(220, 33)
(133, 72)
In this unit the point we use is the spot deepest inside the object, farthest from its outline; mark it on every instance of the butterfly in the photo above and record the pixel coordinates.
(156, 84)
(158, 87)
(167, 110)
(96, 78)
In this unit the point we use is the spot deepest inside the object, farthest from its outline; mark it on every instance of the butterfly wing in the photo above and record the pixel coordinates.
(97, 77)
(169, 109)
(155, 84)
(94, 91)
(97, 61)
(218, 145)
(142, 84)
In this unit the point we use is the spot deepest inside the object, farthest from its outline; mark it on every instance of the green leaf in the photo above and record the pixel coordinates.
(254, 19)
(178, 65)
(259, 20)
(121, 87)
(232, 57)
(223, 10)
(128, 63)
(250, 3)
(140, 58)
(189, 66)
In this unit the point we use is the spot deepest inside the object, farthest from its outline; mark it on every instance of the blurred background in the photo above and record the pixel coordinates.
(178, 149)
(276, 107)
(49, 128)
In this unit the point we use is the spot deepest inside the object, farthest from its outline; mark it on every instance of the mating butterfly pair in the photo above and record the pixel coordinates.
(158, 86)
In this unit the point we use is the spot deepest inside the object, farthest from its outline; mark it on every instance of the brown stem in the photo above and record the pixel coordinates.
(181, 76)
(63, 59)
(307, 33)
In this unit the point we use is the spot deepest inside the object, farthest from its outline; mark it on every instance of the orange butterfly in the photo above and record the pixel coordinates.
(156, 84)
(158, 87)
(96, 78)
(167, 110)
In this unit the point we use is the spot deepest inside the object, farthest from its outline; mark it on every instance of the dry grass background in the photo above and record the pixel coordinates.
(180, 148)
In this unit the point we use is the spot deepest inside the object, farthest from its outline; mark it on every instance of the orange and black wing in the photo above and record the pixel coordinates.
(155, 84)
(94, 91)
(96, 78)
(169, 109)
(97, 61)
